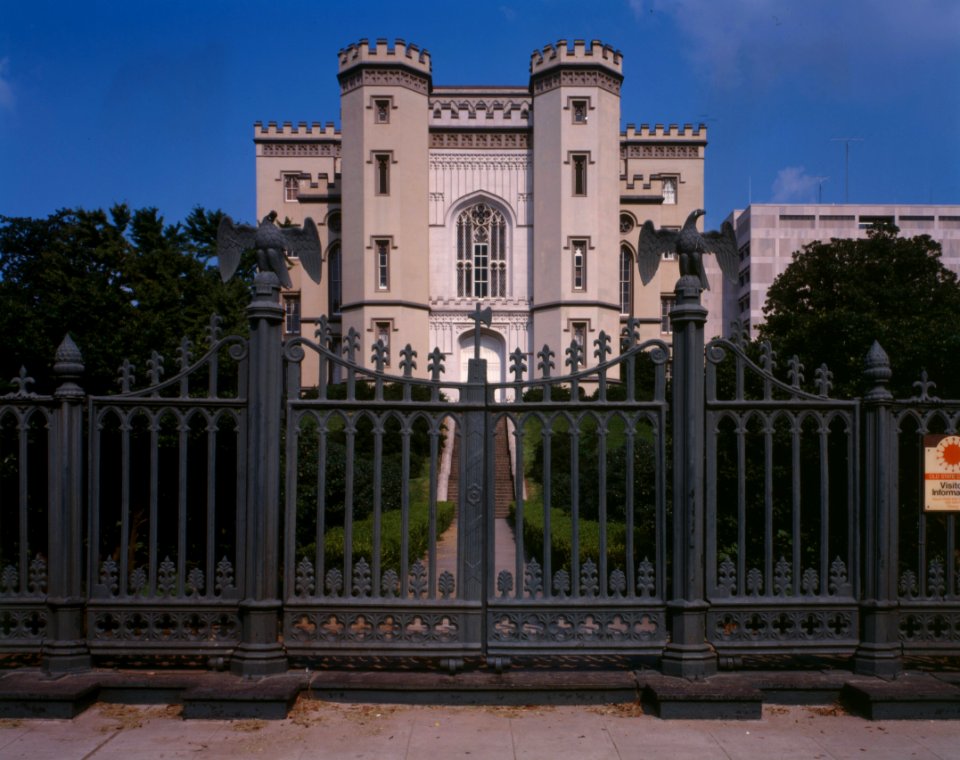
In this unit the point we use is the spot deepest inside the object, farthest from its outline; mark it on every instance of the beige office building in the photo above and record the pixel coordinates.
(432, 199)
(769, 234)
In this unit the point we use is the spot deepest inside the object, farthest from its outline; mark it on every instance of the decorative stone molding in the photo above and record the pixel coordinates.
(480, 140)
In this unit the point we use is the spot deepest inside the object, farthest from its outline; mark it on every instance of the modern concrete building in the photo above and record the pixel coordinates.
(433, 199)
(770, 234)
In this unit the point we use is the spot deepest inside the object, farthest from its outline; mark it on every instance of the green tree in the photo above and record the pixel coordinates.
(836, 298)
(122, 283)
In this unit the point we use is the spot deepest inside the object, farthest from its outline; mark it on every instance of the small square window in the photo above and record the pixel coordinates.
(381, 110)
(579, 110)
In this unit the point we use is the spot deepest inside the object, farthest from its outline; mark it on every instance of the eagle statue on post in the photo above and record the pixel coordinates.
(689, 246)
(272, 244)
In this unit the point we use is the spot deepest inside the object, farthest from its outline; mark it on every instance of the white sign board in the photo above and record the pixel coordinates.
(941, 473)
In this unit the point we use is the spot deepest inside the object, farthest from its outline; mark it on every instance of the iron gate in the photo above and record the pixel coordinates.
(235, 513)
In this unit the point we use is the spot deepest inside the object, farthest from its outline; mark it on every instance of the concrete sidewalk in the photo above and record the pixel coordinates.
(317, 729)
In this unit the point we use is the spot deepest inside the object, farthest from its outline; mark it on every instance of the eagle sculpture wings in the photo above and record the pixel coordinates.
(689, 245)
(272, 244)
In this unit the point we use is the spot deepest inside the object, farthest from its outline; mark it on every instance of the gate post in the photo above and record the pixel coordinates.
(688, 655)
(472, 534)
(66, 648)
(880, 652)
(259, 652)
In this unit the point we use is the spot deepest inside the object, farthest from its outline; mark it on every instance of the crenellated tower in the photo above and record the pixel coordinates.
(384, 114)
(576, 127)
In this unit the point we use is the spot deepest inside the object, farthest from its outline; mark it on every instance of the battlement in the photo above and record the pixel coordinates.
(562, 54)
(301, 130)
(673, 131)
(401, 53)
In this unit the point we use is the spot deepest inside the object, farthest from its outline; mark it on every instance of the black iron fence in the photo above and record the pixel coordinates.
(697, 509)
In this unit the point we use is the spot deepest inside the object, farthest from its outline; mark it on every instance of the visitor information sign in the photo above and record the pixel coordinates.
(941, 473)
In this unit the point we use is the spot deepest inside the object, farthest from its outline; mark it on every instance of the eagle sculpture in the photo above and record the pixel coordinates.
(272, 244)
(689, 245)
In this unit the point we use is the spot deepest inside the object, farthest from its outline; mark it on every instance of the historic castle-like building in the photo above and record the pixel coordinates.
(433, 199)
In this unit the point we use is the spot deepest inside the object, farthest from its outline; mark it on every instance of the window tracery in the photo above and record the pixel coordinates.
(481, 253)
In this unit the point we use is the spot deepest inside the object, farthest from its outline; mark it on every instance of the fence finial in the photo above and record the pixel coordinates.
(68, 366)
(877, 372)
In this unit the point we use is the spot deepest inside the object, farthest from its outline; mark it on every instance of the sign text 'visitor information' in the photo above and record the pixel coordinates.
(941, 473)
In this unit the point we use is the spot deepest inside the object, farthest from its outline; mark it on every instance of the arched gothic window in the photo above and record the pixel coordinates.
(334, 278)
(626, 280)
(481, 253)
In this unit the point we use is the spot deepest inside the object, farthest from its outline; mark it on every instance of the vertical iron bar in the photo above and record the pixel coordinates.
(378, 433)
(742, 506)
(795, 430)
(824, 507)
(630, 559)
(602, 465)
(767, 505)
(23, 499)
(153, 506)
(351, 431)
(290, 512)
(710, 490)
(518, 500)
(182, 475)
(574, 428)
(320, 559)
(545, 435)
(432, 515)
(211, 505)
(404, 502)
(125, 500)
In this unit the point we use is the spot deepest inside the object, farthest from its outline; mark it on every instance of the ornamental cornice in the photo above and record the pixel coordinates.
(478, 140)
(480, 161)
(577, 78)
(384, 77)
(659, 151)
(300, 148)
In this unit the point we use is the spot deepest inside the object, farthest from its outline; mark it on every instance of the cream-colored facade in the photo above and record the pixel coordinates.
(432, 199)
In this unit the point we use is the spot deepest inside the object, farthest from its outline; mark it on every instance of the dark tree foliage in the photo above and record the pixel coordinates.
(122, 283)
(836, 298)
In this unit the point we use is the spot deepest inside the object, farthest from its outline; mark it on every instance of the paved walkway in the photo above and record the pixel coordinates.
(505, 548)
(381, 732)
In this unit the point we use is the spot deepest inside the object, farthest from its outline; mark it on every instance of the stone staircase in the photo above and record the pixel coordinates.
(503, 479)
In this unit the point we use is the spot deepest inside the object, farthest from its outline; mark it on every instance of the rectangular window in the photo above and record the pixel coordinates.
(579, 248)
(578, 331)
(383, 263)
(291, 187)
(381, 331)
(381, 162)
(579, 162)
(744, 303)
(381, 110)
(669, 191)
(291, 314)
(666, 304)
(579, 110)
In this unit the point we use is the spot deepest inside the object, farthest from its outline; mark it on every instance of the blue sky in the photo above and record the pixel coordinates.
(153, 103)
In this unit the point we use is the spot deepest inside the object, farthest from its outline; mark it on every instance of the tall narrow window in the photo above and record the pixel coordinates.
(626, 281)
(381, 110)
(579, 162)
(666, 304)
(481, 253)
(382, 166)
(383, 264)
(335, 278)
(669, 191)
(291, 187)
(382, 335)
(291, 314)
(579, 264)
(578, 331)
